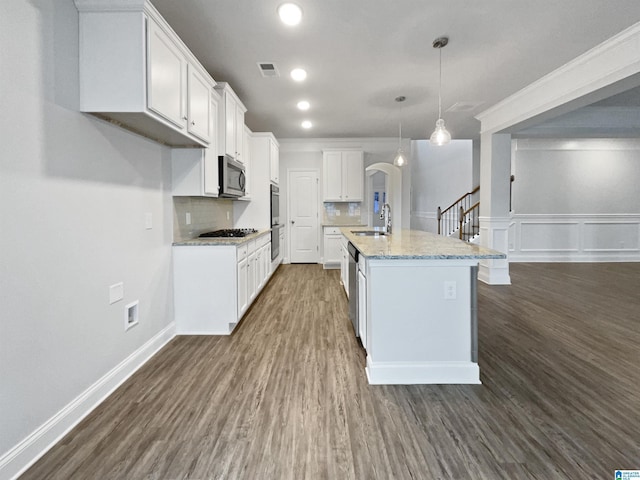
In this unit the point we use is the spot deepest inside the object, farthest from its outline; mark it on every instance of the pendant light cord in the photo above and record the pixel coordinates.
(440, 87)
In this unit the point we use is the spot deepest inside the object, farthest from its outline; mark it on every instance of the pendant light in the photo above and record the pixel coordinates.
(400, 159)
(440, 135)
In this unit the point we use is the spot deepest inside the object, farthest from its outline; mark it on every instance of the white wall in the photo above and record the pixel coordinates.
(575, 200)
(439, 176)
(74, 191)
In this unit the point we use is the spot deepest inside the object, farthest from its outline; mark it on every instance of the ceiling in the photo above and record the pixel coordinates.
(361, 54)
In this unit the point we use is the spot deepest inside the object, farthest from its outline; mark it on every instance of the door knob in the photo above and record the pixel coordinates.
(292, 222)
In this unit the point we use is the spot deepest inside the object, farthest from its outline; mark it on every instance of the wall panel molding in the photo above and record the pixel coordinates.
(574, 238)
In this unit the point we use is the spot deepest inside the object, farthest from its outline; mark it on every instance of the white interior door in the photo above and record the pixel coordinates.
(303, 216)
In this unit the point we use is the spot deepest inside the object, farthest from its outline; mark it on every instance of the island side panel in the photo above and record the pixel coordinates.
(415, 334)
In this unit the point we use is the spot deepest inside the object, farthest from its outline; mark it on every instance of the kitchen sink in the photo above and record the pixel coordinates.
(368, 233)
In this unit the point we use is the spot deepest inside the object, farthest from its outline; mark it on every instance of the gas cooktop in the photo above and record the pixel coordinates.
(230, 232)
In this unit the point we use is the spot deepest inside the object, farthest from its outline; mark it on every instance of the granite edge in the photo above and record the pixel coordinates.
(220, 241)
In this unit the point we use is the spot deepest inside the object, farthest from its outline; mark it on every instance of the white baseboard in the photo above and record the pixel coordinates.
(17, 460)
(438, 373)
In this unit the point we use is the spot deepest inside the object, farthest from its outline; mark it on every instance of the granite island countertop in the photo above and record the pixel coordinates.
(416, 244)
(213, 241)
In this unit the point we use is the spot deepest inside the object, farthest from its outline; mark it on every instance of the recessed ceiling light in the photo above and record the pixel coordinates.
(303, 105)
(290, 13)
(306, 124)
(298, 74)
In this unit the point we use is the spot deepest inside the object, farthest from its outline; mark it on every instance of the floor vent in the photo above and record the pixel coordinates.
(268, 69)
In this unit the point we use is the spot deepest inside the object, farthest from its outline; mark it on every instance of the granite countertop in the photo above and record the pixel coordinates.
(416, 244)
(208, 242)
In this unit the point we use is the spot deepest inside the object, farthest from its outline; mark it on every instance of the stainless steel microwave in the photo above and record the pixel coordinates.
(231, 177)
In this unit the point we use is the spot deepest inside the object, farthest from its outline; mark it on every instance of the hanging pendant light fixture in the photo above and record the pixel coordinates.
(400, 159)
(440, 135)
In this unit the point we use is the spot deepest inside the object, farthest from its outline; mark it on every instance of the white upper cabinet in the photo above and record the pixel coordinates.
(343, 175)
(200, 115)
(274, 161)
(135, 70)
(166, 72)
(194, 171)
(231, 118)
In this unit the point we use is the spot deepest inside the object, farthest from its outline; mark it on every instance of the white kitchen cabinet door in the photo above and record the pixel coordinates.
(344, 268)
(239, 134)
(252, 277)
(352, 176)
(167, 67)
(332, 176)
(200, 116)
(243, 287)
(229, 125)
(194, 172)
(231, 122)
(343, 175)
(246, 153)
(362, 308)
(332, 249)
(274, 162)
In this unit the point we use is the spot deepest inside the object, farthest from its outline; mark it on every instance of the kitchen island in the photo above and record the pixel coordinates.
(418, 306)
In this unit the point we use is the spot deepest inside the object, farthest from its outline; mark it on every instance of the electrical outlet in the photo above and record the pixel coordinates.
(450, 290)
(188, 218)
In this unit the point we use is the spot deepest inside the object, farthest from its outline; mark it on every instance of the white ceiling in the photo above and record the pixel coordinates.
(361, 54)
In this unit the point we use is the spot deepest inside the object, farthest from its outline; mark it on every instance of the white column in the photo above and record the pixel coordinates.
(495, 173)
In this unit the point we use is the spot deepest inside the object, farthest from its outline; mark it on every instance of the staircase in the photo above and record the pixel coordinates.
(461, 218)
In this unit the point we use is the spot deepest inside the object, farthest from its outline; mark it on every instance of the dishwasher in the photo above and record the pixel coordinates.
(353, 286)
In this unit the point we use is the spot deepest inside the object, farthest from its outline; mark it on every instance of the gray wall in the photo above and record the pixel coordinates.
(576, 176)
(439, 176)
(74, 192)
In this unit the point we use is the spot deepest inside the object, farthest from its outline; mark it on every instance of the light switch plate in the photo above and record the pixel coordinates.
(148, 221)
(116, 292)
(188, 218)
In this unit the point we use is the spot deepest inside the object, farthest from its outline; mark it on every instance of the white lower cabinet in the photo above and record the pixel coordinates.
(214, 285)
(332, 257)
(362, 303)
(344, 265)
(243, 287)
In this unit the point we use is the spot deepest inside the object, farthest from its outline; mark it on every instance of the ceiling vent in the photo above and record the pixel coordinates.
(268, 69)
(463, 106)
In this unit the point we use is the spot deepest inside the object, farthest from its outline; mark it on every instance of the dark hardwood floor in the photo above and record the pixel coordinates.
(286, 396)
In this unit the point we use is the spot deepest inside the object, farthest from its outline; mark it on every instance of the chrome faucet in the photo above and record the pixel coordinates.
(385, 215)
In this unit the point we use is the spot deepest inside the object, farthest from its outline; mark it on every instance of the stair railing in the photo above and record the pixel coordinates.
(449, 218)
(469, 226)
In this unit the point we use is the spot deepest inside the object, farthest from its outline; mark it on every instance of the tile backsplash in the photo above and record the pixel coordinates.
(207, 214)
(342, 213)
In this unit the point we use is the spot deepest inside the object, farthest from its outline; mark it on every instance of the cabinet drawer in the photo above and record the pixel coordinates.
(251, 247)
(242, 252)
(332, 231)
(264, 240)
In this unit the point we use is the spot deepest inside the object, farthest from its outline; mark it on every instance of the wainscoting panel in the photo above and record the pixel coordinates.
(611, 236)
(549, 236)
(574, 238)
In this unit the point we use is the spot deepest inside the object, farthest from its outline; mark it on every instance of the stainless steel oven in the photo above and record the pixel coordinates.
(275, 205)
(231, 177)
